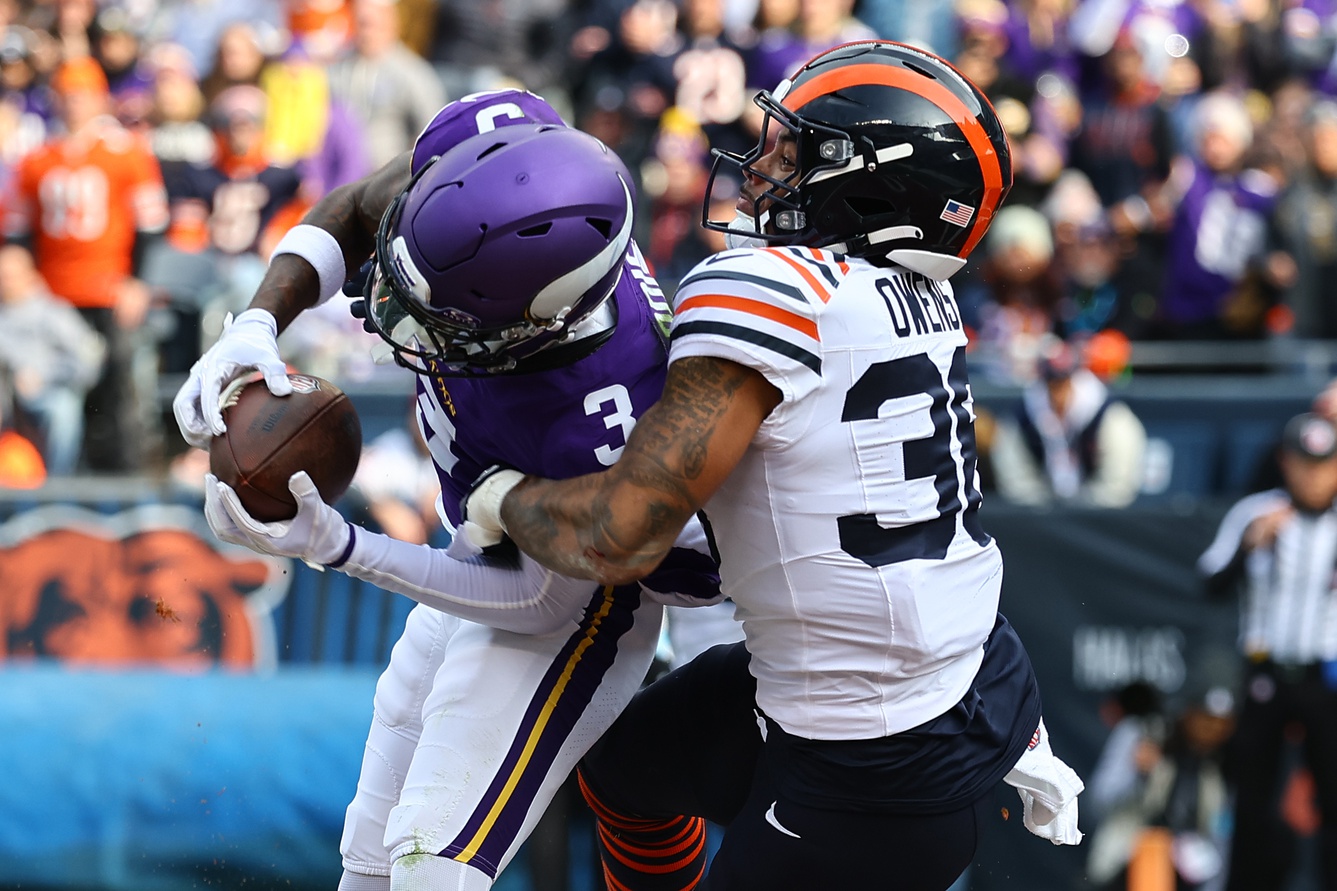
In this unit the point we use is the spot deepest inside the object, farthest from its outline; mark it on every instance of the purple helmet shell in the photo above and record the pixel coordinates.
(500, 247)
(480, 113)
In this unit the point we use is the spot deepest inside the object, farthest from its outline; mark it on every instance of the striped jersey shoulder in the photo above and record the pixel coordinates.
(760, 299)
(804, 277)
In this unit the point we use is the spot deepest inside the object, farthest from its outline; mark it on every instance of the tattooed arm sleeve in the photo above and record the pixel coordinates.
(617, 525)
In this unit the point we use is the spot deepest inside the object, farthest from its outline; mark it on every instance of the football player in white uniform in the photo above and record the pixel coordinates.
(817, 407)
(505, 276)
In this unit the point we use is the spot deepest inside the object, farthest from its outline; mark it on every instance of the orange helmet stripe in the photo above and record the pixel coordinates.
(991, 169)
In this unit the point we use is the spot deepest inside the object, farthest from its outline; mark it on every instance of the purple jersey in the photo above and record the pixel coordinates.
(1218, 230)
(557, 423)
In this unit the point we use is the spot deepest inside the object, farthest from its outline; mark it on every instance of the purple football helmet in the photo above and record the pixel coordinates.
(499, 249)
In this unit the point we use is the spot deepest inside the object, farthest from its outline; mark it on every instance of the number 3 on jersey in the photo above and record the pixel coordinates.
(933, 456)
(620, 416)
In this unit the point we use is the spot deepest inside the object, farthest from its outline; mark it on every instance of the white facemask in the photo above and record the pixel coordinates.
(736, 239)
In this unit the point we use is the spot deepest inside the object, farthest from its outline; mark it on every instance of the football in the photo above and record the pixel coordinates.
(269, 438)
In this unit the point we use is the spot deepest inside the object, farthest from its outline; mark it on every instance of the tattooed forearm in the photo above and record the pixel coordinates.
(696, 396)
(617, 525)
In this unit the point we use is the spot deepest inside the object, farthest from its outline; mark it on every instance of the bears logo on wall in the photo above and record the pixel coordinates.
(147, 586)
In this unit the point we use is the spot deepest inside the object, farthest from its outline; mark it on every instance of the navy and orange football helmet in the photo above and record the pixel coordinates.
(900, 160)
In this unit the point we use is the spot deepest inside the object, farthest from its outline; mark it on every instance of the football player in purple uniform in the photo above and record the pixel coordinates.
(504, 274)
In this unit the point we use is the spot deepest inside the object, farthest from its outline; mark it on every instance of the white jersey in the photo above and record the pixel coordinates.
(848, 534)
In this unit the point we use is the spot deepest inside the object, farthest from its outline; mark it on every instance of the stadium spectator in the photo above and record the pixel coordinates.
(27, 108)
(485, 46)
(710, 74)
(638, 62)
(676, 182)
(1124, 142)
(180, 138)
(787, 35)
(118, 47)
(1038, 41)
(226, 215)
(1011, 302)
(1212, 289)
(200, 27)
(1307, 45)
(392, 91)
(240, 58)
(1134, 713)
(609, 117)
(251, 198)
(1302, 237)
(770, 30)
(1163, 798)
(1070, 441)
(322, 28)
(1161, 33)
(70, 24)
(306, 125)
(50, 356)
(1039, 110)
(1239, 43)
(1285, 131)
(1095, 290)
(1276, 550)
(88, 202)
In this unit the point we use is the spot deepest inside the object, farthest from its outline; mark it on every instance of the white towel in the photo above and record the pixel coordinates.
(1048, 790)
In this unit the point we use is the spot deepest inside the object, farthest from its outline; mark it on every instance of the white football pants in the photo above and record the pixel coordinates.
(474, 730)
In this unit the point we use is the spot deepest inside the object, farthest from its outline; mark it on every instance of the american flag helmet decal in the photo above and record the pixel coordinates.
(956, 213)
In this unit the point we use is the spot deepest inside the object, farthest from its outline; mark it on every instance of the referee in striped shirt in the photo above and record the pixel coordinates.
(1279, 549)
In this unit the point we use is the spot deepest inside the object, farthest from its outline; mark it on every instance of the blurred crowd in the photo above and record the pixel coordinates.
(1176, 165)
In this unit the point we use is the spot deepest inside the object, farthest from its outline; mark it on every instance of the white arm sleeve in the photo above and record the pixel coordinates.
(528, 599)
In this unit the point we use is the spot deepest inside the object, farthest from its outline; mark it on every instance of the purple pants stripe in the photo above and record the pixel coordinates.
(557, 704)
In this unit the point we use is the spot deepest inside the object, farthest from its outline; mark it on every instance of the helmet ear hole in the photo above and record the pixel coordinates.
(602, 226)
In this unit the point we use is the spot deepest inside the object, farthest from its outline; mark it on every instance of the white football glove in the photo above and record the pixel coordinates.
(482, 506)
(318, 534)
(249, 341)
(1048, 790)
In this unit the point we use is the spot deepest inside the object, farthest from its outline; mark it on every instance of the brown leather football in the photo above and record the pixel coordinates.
(269, 438)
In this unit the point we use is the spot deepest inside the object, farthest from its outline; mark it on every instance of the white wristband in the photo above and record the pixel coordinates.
(319, 248)
(483, 506)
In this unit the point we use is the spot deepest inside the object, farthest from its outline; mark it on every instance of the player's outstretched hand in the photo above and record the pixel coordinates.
(482, 506)
(318, 533)
(249, 341)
